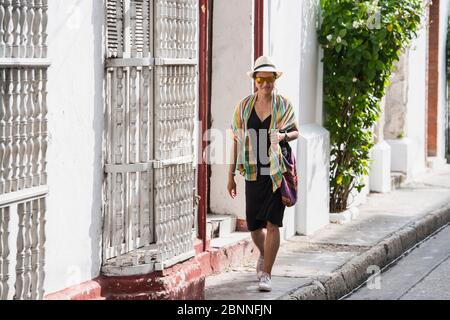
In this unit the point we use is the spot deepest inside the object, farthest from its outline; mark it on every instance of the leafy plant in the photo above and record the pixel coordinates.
(361, 40)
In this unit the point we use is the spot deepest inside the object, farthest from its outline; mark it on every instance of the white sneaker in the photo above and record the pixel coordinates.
(259, 267)
(265, 283)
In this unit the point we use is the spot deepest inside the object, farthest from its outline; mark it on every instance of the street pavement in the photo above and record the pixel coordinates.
(423, 274)
(339, 258)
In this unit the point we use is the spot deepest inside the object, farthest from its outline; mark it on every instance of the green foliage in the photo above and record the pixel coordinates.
(361, 40)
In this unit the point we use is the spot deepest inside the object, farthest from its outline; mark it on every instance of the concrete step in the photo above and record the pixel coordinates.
(230, 239)
(234, 250)
(397, 180)
(218, 226)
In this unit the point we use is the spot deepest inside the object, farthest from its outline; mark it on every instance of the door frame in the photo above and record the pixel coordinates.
(205, 50)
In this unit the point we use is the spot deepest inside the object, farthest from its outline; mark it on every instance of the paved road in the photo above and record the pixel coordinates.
(423, 274)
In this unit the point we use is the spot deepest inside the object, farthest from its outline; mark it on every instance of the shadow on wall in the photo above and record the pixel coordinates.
(96, 226)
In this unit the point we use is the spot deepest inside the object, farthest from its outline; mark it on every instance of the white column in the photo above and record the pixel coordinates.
(312, 211)
(380, 170)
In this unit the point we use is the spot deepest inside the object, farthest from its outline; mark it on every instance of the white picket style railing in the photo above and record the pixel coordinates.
(151, 84)
(23, 147)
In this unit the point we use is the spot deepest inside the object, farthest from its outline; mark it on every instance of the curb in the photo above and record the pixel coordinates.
(355, 272)
(184, 281)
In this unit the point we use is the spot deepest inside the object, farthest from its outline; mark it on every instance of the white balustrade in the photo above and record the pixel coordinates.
(22, 50)
(37, 35)
(176, 25)
(22, 240)
(174, 208)
(15, 130)
(4, 253)
(2, 33)
(23, 128)
(149, 193)
(175, 111)
(128, 221)
(29, 129)
(29, 29)
(44, 128)
(23, 147)
(23, 28)
(7, 28)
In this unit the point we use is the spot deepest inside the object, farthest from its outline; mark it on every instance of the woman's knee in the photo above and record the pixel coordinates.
(257, 232)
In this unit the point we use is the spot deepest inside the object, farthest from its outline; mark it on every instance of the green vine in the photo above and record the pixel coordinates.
(361, 40)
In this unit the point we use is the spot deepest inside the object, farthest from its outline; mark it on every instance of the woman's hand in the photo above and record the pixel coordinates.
(276, 137)
(232, 187)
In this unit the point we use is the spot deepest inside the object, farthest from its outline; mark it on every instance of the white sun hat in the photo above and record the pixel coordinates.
(264, 64)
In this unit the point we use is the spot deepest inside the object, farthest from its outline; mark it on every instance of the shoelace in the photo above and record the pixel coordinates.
(265, 278)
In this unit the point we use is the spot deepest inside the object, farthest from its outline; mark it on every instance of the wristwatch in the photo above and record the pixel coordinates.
(285, 137)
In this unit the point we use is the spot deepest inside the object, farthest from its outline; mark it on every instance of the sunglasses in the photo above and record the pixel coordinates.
(261, 80)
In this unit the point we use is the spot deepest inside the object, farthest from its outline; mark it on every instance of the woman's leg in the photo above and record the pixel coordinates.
(259, 237)
(271, 246)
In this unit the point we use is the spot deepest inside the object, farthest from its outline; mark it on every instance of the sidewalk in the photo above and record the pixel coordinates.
(336, 259)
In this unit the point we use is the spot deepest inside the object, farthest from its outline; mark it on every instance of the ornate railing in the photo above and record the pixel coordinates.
(23, 29)
(151, 100)
(176, 29)
(128, 224)
(23, 128)
(22, 239)
(23, 147)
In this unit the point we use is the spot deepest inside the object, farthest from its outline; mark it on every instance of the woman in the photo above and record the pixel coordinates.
(261, 121)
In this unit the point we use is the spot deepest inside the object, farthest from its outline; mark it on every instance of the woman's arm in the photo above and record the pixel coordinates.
(232, 189)
(292, 135)
(281, 136)
(233, 160)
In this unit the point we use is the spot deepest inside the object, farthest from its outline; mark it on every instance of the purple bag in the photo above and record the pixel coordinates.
(289, 183)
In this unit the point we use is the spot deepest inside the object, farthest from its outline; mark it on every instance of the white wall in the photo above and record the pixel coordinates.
(232, 58)
(444, 11)
(283, 45)
(292, 42)
(416, 113)
(75, 86)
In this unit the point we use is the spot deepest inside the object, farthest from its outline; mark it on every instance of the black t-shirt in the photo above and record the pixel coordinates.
(259, 131)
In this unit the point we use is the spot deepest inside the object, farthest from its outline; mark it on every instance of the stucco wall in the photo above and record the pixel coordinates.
(232, 58)
(284, 46)
(397, 99)
(406, 108)
(292, 42)
(73, 253)
(416, 114)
